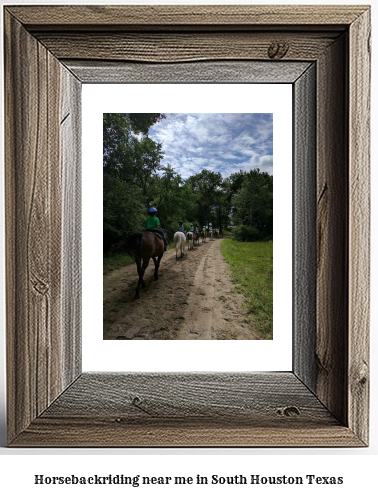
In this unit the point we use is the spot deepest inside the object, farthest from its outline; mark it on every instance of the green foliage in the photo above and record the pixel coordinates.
(141, 122)
(124, 210)
(146, 158)
(246, 233)
(173, 198)
(253, 203)
(211, 207)
(252, 273)
(135, 179)
(114, 261)
(118, 145)
(130, 160)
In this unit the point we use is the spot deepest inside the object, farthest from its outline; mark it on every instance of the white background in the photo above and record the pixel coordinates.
(182, 355)
(358, 466)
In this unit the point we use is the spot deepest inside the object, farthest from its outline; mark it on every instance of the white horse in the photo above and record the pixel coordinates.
(190, 240)
(179, 239)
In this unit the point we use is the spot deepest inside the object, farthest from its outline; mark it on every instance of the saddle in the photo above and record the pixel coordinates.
(156, 233)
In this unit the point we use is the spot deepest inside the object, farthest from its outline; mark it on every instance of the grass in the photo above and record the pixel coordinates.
(252, 273)
(115, 261)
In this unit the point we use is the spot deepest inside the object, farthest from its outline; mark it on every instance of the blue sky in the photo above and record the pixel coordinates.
(224, 142)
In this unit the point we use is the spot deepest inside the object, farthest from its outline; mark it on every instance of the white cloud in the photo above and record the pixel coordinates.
(263, 163)
(218, 142)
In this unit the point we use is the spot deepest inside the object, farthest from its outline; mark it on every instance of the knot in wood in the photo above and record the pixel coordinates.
(363, 380)
(288, 411)
(136, 400)
(140, 404)
(278, 50)
(41, 287)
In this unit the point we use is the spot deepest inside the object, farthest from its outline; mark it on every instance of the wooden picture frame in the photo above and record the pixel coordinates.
(324, 52)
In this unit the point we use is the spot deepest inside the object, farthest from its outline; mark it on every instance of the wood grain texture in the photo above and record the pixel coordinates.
(32, 189)
(180, 47)
(33, 227)
(249, 397)
(173, 16)
(100, 432)
(359, 226)
(197, 409)
(200, 72)
(332, 230)
(304, 227)
(70, 161)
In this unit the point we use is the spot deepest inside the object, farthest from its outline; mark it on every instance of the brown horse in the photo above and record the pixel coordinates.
(203, 236)
(191, 237)
(196, 237)
(142, 247)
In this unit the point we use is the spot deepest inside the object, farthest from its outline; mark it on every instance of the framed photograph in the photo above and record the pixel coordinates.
(205, 174)
(194, 297)
(323, 52)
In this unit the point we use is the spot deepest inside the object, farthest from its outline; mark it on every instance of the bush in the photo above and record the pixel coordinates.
(246, 233)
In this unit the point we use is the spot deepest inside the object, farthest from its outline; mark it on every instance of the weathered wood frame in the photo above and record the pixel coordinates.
(49, 52)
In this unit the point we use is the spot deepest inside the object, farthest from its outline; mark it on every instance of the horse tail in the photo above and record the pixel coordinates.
(176, 239)
(132, 244)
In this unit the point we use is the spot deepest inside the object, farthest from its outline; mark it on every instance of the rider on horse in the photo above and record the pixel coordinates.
(153, 224)
(182, 229)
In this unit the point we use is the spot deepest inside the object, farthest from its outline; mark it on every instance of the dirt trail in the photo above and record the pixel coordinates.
(192, 300)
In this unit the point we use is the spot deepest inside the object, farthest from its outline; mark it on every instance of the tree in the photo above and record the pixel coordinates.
(126, 148)
(146, 156)
(253, 203)
(173, 198)
(124, 210)
(135, 179)
(118, 145)
(130, 160)
(141, 122)
(209, 188)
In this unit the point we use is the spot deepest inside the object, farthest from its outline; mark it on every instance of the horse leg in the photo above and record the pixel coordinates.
(140, 278)
(141, 270)
(144, 267)
(157, 264)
